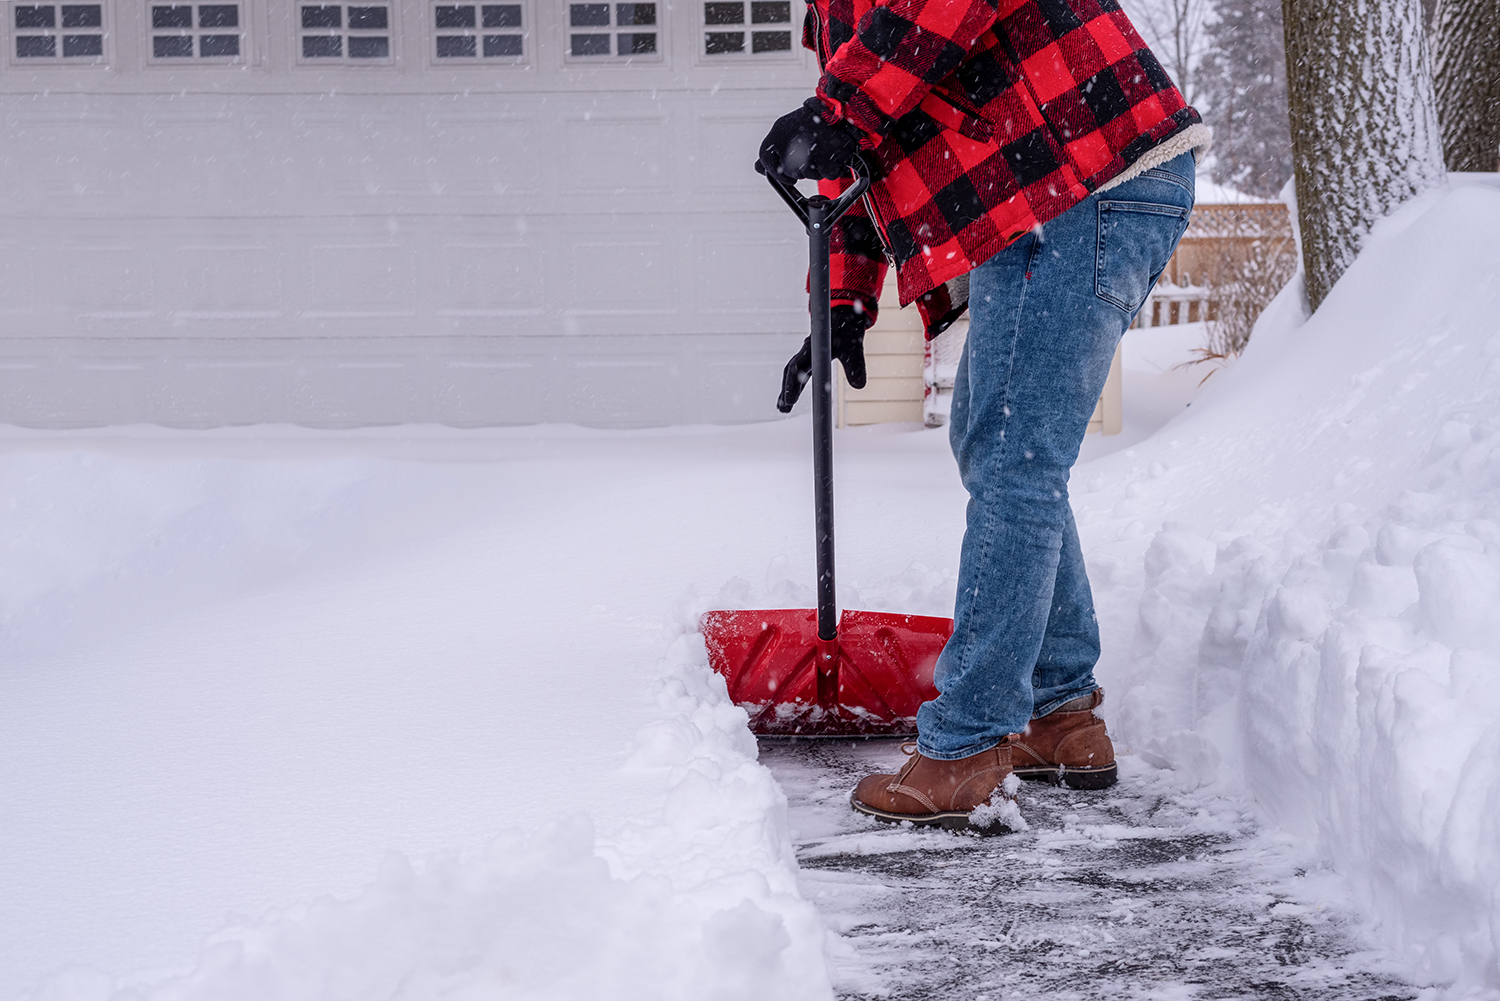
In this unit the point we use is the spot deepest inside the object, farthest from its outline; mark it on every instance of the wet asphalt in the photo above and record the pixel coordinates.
(1143, 890)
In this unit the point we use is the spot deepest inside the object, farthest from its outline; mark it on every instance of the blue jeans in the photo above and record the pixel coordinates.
(1046, 315)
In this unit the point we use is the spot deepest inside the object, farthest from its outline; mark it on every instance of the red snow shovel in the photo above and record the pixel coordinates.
(806, 673)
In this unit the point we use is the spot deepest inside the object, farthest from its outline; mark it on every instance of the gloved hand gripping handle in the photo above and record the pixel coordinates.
(818, 213)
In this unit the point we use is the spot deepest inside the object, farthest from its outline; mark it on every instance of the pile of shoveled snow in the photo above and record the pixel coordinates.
(691, 900)
(1299, 580)
(283, 690)
(408, 713)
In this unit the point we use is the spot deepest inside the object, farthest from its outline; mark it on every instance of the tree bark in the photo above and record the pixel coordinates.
(1466, 77)
(1364, 126)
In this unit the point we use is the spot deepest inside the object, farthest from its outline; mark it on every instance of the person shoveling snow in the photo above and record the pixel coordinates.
(983, 124)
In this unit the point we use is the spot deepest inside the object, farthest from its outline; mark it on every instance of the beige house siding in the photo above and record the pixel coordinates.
(906, 384)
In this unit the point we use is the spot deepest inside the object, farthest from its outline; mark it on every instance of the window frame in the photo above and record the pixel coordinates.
(614, 31)
(106, 31)
(391, 31)
(244, 29)
(525, 32)
(748, 27)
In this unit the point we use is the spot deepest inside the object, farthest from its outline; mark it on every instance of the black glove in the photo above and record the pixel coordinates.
(848, 347)
(804, 144)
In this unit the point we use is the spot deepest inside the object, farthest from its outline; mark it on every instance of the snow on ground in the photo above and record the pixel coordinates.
(1158, 384)
(247, 669)
(301, 683)
(417, 712)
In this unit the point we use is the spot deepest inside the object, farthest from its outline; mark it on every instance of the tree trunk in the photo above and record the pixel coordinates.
(1466, 76)
(1364, 127)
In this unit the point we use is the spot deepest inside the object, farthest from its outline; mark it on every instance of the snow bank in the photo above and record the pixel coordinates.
(239, 669)
(695, 899)
(1299, 581)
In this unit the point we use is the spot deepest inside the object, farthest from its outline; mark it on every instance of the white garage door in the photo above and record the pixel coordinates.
(343, 214)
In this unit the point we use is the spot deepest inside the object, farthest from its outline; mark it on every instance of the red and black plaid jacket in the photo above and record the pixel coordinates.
(986, 118)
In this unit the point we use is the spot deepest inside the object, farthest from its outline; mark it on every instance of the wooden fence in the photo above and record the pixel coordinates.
(910, 380)
(1220, 242)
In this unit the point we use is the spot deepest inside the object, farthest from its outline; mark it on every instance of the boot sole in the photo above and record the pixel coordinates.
(948, 821)
(1073, 778)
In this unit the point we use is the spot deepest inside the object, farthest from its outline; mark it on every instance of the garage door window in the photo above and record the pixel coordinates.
(62, 32)
(478, 32)
(198, 32)
(613, 31)
(350, 33)
(754, 27)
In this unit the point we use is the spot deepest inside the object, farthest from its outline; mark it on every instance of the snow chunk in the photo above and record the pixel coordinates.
(1002, 810)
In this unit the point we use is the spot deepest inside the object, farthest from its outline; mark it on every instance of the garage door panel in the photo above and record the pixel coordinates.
(620, 277)
(615, 155)
(359, 280)
(479, 279)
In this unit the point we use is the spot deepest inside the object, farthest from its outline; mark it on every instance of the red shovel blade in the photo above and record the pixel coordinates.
(868, 682)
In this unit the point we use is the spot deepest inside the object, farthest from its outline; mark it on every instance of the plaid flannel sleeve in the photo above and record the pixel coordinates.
(899, 51)
(856, 261)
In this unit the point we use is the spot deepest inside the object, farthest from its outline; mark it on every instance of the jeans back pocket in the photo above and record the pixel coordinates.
(1136, 240)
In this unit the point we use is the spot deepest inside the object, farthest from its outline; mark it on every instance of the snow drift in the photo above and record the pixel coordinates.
(238, 670)
(693, 899)
(1300, 579)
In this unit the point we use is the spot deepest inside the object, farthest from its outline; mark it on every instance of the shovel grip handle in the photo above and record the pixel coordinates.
(799, 203)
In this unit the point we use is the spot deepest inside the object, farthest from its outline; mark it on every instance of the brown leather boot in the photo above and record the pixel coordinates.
(1068, 745)
(967, 794)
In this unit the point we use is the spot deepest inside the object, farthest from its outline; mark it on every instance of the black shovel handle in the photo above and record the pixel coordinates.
(818, 213)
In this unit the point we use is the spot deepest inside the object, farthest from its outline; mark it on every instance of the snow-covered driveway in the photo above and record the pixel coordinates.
(418, 713)
(238, 670)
